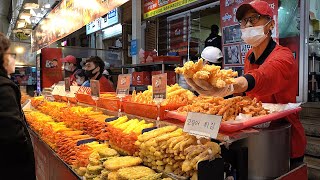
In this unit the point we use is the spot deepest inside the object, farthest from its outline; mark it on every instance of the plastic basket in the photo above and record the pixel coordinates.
(85, 98)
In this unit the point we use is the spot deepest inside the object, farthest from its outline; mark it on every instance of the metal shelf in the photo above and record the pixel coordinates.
(151, 64)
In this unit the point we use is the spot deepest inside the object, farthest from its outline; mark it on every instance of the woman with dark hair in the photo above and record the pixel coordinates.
(16, 152)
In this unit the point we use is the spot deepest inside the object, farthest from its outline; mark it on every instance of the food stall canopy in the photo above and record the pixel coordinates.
(67, 17)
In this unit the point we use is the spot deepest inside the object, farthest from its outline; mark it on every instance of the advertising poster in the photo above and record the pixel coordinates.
(51, 66)
(234, 49)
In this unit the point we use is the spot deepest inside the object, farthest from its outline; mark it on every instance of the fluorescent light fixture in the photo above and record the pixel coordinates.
(25, 15)
(30, 6)
(47, 6)
(63, 43)
(21, 24)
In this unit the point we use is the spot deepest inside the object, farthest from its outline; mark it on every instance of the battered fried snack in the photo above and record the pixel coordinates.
(229, 109)
(216, 76)
(175, 95)
(135, 172)
(157, 132)
(107, 152)
(121, 162)
(113, 176)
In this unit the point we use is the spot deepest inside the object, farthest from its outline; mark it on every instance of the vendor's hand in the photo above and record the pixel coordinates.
(205, 88)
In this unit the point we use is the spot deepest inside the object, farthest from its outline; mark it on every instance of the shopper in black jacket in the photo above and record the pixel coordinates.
(16, 151)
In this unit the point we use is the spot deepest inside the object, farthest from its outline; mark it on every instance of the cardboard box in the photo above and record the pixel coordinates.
(141, 78)
(171, 76)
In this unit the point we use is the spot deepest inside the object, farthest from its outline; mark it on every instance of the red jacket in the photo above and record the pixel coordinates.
(273, 78)
(106, 85)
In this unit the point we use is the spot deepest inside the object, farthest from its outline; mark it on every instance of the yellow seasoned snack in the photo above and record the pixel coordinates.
(135, 172)
(113, 176)
(175, 95)
(121, 162)
(216, 76)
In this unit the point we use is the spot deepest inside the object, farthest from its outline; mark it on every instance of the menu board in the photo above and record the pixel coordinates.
(234, 49)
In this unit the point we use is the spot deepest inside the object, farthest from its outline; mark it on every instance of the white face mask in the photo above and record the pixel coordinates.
(79, 82)
(254, 36)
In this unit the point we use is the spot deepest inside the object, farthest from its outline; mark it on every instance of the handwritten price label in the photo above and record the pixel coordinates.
(204, 125)
(159, 86)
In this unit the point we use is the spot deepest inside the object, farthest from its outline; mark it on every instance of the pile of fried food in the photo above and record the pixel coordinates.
(228, 108)
(216, 76)
(76, 117)
(175, 95)
(24, 97)
(122, 133)
(105, 164)
(170, 150)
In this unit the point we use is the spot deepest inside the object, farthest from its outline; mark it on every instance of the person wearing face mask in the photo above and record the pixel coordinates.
(81, 78)
(94, 68)
(70, 67)
(270, 70)
(16, 153)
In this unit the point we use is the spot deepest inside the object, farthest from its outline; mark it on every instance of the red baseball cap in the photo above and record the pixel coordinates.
(69, 59)
(260, 7)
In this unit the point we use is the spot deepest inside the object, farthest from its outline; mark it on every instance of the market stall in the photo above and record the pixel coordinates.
(113, 136)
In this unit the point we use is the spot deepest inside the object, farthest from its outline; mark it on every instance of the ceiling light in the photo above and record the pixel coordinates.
(31, 6)
(19, 49)
(47, 6)
(21, 24)
(25, 15)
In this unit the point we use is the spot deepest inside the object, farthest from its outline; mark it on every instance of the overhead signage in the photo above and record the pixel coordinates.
(110, 19)
(112, 31)
(69, 16)
(156, 7)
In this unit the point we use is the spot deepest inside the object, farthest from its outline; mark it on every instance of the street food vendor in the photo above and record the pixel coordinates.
(271, 72)
(94, 68)
(70, 66)
(212, 55)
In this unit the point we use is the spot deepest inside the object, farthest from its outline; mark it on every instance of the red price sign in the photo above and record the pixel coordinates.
(123, 84)
(159, 86)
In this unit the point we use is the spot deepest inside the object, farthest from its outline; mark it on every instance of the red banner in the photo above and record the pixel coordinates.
(51, 66)
(234, 49)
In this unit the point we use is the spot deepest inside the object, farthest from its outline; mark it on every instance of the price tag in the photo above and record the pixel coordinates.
(204, 125)
(159, 87)
(123, 85)
(67, 84)
(95, 88)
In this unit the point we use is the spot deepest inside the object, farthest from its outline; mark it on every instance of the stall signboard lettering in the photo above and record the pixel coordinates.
(123, 84)
(109, 20)
(233, 48)
(159, 86)
(95, 88)
(156, 7)
(67, 84)
(203, 125)
(69, 16)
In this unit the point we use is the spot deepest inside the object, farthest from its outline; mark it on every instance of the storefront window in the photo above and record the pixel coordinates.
(289, 27)
(314, 52)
